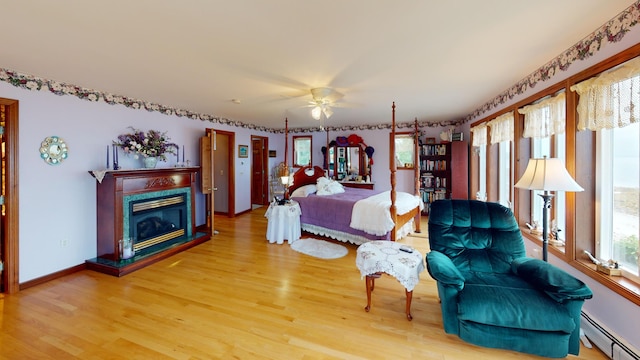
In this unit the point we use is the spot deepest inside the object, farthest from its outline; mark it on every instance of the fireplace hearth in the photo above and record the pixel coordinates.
(152, 207)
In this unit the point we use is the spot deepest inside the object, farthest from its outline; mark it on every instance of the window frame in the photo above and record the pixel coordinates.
(301, 138)
(408, 135)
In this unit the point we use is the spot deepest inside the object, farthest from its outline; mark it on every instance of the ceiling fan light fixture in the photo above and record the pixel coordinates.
(316, 112)
(327, 111)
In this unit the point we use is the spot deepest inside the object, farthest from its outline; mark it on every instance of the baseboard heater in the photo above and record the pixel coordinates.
(606, 341)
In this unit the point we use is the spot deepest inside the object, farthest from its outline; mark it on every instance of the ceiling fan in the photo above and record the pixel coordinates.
(324, 99)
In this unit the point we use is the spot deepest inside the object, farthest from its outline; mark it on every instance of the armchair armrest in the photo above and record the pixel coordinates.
(555, 282)
(441, 268)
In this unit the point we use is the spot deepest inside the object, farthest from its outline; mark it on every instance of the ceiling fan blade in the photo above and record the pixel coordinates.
(326, 94)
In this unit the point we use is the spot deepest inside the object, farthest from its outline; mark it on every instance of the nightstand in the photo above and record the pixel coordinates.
(284, 222)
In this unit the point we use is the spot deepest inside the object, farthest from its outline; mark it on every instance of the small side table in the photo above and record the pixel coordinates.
(375, 258)
(284, 222)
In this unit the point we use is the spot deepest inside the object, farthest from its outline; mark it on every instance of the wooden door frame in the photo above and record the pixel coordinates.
(265, 167)
(10, 241)
(230, 172)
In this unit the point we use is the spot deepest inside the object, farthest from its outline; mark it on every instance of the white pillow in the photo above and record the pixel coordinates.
(304, 191)
(328, 187)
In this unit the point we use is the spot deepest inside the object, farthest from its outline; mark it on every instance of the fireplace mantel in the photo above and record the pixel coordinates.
(113, 188)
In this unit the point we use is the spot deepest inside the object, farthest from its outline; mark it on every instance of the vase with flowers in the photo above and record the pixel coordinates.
(148, 145)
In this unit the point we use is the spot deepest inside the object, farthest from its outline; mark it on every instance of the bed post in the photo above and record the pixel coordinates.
(416, 168)
(286, 150)
(326, 157)
(392, 168)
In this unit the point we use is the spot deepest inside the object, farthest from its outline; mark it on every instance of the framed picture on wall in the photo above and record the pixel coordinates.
(431, 140)
(272, 153)
(243, 151)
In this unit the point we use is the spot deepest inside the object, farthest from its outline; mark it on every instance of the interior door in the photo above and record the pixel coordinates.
(258, 173)
(221, 172)
(206, 174)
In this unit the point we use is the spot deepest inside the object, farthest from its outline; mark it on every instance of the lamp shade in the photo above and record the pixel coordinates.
(547, 174)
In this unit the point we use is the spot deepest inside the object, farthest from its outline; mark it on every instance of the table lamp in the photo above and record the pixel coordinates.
(285, 183)
(547, 174)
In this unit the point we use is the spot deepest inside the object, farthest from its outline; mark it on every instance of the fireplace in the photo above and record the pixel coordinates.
(153, 207)
(153, 218)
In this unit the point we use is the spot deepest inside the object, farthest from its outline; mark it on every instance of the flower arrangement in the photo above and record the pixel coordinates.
(152, 143)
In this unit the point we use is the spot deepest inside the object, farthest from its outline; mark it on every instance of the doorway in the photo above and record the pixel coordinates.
(9, 281)
(259, 170)
(223, 172)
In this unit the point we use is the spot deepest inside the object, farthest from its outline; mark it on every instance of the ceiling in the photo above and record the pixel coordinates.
(255, 61)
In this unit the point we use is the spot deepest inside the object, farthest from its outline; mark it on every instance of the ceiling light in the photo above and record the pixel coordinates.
(316, 112)
(327, 111)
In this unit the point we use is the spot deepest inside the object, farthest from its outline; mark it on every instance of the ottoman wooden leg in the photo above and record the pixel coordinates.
(369, 281)
(408, 310)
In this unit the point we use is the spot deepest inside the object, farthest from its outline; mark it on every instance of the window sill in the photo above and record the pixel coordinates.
(620, 285)
(625, 287)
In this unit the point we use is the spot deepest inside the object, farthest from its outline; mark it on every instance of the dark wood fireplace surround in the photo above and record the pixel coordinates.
(110, 194)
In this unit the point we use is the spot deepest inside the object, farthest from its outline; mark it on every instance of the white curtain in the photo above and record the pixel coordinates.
(611, 99)
(501, 128)
(479, 135)
(545, 118)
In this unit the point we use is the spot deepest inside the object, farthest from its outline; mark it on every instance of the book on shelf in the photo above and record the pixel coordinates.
(433, 149)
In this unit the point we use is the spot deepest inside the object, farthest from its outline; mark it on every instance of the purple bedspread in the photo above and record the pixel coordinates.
(334, 211)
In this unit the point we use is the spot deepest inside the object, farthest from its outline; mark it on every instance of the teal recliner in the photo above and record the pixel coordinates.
(491, 294)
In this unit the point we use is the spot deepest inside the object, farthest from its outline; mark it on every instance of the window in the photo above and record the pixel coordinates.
(502, 134)
(609, 106)
(301, 151)
(618, 193)
(550, 147)
(545, 123)
(482, 173)
(504, 173)
(405, 150)
(479, 145)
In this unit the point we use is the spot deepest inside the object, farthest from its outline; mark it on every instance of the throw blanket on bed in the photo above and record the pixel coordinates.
(372, 215)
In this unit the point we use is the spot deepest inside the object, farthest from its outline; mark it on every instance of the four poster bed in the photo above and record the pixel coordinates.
(352, 214)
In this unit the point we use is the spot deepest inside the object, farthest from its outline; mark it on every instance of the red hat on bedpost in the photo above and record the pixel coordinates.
(354, 139)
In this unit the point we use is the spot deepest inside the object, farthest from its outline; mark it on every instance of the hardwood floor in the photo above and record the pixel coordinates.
(234, 297)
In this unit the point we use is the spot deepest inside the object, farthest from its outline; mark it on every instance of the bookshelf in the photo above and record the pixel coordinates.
(444, 172)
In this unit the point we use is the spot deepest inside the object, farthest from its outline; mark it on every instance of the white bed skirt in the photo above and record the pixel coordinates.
(405, 230)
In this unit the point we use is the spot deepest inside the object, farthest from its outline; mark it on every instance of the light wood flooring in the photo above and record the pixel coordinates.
(234, 297)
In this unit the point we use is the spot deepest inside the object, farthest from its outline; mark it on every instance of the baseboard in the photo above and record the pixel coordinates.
(606, 340)
(52, 276)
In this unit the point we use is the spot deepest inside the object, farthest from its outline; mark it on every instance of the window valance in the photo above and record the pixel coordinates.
(479, 135)
(611, 99)
(501, 128)
(545, 118)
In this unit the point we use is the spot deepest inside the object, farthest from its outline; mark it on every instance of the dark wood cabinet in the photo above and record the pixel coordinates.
(358, 184)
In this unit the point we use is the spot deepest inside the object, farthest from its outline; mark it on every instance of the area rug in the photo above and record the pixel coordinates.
(319, 248)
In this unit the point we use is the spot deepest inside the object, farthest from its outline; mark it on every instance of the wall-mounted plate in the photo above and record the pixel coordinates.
(53, 150)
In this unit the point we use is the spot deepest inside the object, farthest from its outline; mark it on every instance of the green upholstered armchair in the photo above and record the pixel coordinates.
(491, 294)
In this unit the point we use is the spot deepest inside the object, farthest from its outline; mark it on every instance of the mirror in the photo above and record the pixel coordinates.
(348, 163)
(53, 150)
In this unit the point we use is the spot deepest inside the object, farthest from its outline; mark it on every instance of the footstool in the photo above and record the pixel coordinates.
(375, 258)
